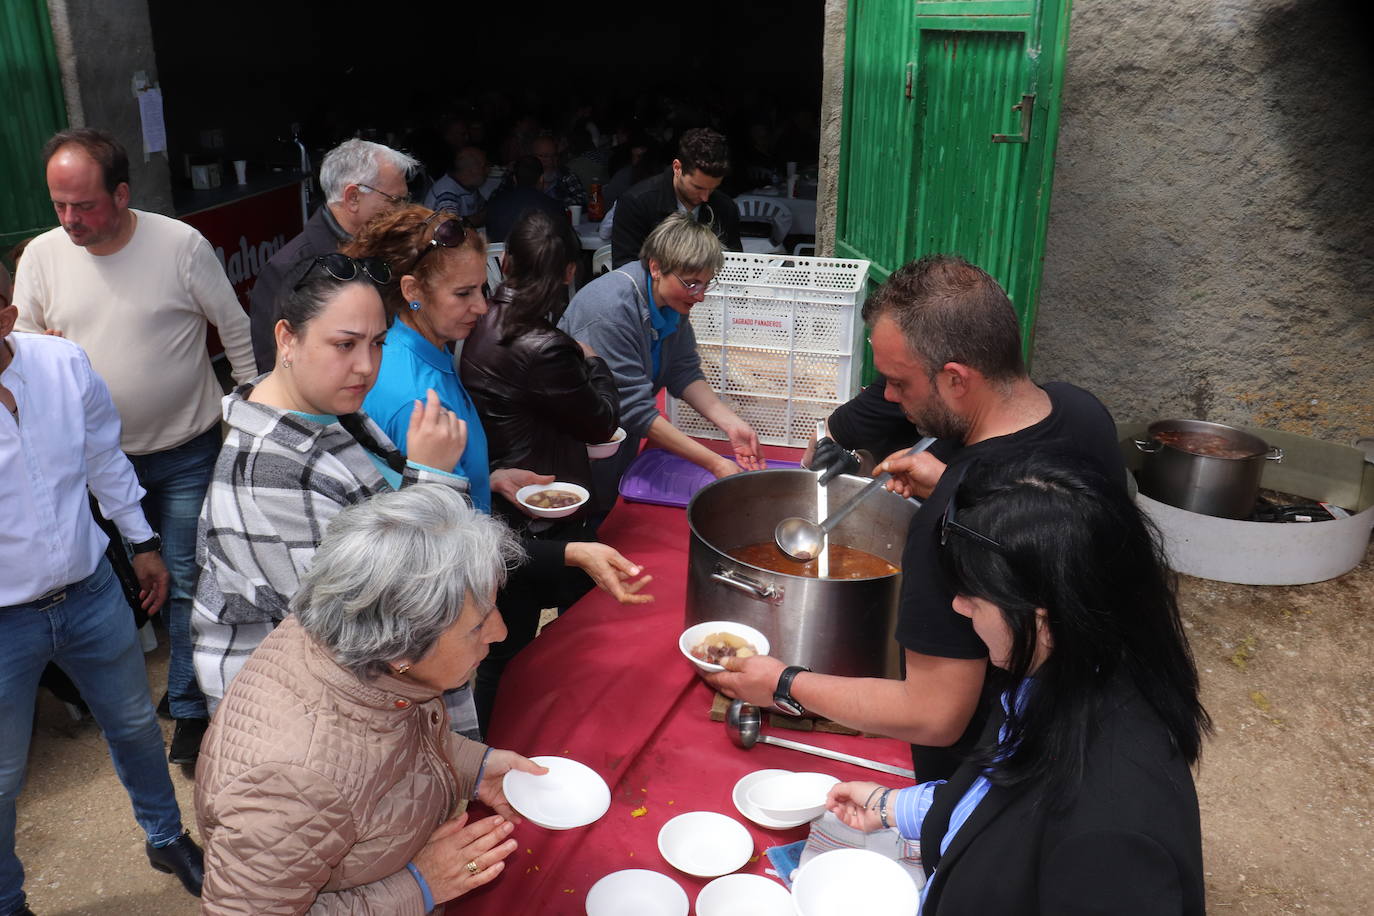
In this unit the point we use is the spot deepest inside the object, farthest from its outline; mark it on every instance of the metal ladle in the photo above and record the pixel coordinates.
(742, 723)
(803, 540)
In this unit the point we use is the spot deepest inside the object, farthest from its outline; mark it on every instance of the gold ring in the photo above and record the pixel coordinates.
(472, 867)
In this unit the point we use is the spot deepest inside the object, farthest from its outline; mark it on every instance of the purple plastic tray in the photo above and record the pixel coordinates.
(664, 479)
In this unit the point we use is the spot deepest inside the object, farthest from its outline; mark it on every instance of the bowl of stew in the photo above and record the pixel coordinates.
(552, 500)
(607, 449)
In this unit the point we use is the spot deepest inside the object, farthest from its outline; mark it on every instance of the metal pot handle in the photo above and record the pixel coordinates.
(760, 590)
(1144, 446)
(1275, 454)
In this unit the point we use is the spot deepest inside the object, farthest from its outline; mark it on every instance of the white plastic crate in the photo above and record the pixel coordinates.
(777, 339)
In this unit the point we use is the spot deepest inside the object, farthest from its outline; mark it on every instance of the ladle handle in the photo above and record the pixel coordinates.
(837, 755)
(838, 516)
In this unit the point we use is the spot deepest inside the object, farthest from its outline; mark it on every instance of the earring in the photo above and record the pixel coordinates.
(286, 364)
(401, 669)
(414, 305)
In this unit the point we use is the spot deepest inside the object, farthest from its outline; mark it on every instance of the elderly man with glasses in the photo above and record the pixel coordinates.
(360, 179)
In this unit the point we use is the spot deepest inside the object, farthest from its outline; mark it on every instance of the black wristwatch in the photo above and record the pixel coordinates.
(153, 543)
(782, 695)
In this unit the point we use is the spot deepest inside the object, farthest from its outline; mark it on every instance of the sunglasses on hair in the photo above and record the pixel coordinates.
(342, 267)
(451, 232)
(949, 524)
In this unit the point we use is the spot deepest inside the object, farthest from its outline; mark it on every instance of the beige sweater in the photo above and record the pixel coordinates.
(141, 315)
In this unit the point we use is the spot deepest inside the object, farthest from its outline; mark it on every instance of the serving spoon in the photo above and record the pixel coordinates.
(802, 540)
(742, 723)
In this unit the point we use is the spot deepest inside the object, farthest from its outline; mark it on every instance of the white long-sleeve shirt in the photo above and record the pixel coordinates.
(66, 438)
(142, 315)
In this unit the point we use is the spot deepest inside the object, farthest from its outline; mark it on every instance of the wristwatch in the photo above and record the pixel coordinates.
(153, 543)
(782, 695)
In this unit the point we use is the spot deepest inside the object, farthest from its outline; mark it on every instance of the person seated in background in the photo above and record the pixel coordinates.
(1079, 798)
(359, 179)
(691, 185)
(523, 194)
(635, 318)
(330, 782)
(543, 398)
(559, 183)
(459, 191)
(299, 451)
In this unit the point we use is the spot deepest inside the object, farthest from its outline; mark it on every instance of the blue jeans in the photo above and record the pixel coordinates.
(90, 635)
(176, 481)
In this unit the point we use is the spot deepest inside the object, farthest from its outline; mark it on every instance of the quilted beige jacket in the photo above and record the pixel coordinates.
(314, 789)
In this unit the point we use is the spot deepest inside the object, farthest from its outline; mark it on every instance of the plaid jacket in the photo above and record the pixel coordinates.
(279, 480)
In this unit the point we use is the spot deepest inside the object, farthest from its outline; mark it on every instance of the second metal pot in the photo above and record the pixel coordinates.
(1208, 484)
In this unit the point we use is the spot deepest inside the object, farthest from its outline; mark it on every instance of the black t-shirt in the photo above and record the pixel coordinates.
(871, 422)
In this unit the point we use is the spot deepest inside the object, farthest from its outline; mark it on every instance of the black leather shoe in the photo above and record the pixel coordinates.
(186, 740)
(182, 858)
(164, 708)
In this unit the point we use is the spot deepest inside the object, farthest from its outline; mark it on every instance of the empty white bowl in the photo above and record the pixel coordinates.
(705, 844)
(744, 895)
(843, 882)
(607, 449)
(524, 493)
(740, 796)
(636, 892)
(570, 795)
(791, 797)
(695, 634)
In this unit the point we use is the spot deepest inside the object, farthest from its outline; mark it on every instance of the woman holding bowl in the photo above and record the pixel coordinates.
(635, 319)
(328, 782)
(1081, 798)
(299, 450)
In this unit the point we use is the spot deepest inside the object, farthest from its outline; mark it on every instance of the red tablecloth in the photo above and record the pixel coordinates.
(606, 685)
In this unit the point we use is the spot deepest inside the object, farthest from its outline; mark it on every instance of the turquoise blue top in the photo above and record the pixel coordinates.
(411, 364)
(664, 322)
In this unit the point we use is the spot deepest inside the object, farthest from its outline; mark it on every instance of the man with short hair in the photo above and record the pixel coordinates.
(525, 193)
(692, 184)
(138, 292)
(459, 191)
(360, 179)
(561, 185)
(946, 340)
(60, 601)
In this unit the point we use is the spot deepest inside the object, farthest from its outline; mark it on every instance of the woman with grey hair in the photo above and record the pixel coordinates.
(632, 318)
(329, 781)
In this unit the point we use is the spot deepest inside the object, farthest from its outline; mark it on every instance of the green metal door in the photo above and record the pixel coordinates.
(950, 119)
(31, 85)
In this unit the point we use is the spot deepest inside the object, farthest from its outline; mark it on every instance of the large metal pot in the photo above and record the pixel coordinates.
(1204, 467)
(834, 626)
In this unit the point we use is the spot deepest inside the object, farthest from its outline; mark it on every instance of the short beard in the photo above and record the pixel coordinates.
(936, 419)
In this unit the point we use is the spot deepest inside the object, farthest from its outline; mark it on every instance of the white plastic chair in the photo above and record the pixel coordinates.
(601, 261)
(494, 252)
(763, 210)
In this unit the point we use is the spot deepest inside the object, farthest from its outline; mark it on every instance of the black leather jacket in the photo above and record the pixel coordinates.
(541, 400)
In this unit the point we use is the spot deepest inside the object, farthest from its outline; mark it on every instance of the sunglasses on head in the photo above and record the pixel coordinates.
(342, 267)
(949, 524)
(451, 232)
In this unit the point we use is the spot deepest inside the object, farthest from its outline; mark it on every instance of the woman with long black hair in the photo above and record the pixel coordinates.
(1080, 798)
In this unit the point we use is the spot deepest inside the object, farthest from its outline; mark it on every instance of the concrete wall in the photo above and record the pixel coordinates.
(100, 45)
(1211, 238)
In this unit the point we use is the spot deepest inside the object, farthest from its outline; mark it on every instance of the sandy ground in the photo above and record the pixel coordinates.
(1286, 784)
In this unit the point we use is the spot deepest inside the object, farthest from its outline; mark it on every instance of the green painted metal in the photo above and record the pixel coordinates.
(31, 85)
(920, 172)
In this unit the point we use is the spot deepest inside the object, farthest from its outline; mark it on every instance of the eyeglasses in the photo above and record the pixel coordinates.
(697, 286)
(452, 232)
(949, 524)
(342, 267)
(398, 201)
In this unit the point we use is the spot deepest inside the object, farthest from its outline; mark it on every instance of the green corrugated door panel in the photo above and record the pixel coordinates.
(31, 85)
(976, 66)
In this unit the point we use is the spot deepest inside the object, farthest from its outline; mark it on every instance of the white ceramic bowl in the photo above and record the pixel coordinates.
(607, 449)
(705, 844)
(524, 493)
(740, 796)
(570, 795)
(792, 797)
(636, 892)
(695, 634)
(744, 895)
(843, 882)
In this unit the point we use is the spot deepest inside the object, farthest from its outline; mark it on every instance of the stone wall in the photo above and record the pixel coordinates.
(1211, 236)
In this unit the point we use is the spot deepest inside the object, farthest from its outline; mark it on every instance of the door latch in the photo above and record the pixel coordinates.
(1027, 109)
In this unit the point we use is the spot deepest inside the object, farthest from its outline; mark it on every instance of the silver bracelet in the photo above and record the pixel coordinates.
(882, 809)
